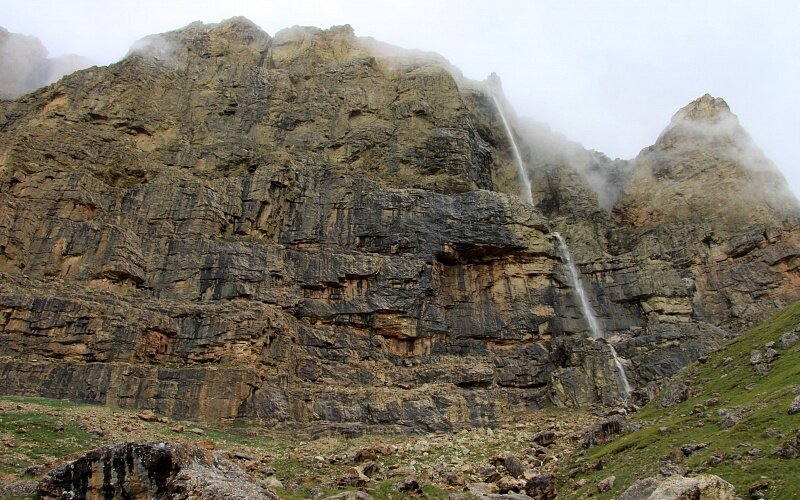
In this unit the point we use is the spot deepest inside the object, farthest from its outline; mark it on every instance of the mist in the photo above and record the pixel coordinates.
(25, 65)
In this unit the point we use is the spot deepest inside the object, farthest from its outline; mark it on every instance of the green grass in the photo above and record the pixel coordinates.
(641, 454)
(41, 442)
(51, 403)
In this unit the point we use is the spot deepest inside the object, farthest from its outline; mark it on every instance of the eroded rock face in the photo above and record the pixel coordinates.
(315, 228)
(708, 198)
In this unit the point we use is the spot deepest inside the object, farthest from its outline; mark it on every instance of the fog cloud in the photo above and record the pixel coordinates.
(158, 49)
(24, 65)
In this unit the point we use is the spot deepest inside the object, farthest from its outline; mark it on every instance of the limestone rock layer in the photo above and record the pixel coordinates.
(320, 229)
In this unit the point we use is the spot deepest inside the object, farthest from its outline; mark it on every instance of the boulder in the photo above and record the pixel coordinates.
(541, 487)
(795, 406)
(675, 392)
(606, 484)
(790, 449)
(511, 463)
(702, 487)
(350, 495)
(409, 484)
(545, 438)
(641, 489)
(150, 470)
(788, 340)
(605, 431)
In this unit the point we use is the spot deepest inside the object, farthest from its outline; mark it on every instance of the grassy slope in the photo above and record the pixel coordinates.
(641, 454)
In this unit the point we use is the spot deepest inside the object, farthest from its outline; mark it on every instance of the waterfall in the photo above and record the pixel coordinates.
(623, 379)
(575, 284)
(524, 179)
(572, 271)
(588, 312)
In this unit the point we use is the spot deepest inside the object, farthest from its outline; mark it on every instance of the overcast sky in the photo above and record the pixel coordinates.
(608, 74)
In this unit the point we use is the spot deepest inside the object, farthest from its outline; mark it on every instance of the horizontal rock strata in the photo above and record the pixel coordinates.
(319, 229)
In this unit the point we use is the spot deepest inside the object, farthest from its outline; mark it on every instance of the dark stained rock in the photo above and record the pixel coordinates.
(408, 485)
(541, 487)
(605, 431)
(512, 464)
(149, 470)
(689, 448)
(545, 438)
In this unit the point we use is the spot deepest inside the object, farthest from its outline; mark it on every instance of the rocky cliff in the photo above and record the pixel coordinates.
(315, 228)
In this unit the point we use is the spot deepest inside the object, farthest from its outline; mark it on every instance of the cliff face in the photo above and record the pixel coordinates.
(314, 228)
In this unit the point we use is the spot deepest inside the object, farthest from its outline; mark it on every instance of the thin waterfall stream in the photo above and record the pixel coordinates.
(524, 178)
(588, 312)
(572, 271)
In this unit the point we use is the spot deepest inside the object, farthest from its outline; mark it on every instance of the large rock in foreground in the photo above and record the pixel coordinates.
(153, 470)
(702, 487)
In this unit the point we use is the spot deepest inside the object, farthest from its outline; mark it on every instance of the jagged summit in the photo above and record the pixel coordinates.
(235, 30)
(227, 96)
(705, 122)
(705, 166)
(705, 108)
(233, 38)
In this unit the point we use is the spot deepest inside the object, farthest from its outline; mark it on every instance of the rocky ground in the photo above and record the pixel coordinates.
(38, 434)
(728, 421)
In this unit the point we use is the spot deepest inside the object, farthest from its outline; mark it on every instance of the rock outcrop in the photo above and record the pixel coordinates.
(702, 487)
(319, 229)
(151, 470)
(705, 196)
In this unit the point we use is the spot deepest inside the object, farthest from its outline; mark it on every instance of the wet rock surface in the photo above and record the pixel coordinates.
(605, 431)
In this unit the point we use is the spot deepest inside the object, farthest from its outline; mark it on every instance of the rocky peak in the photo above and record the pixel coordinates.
(300, 33)
(705, 166)
(705, 122)
(307, 47)
(231, 38)
(705, 108)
